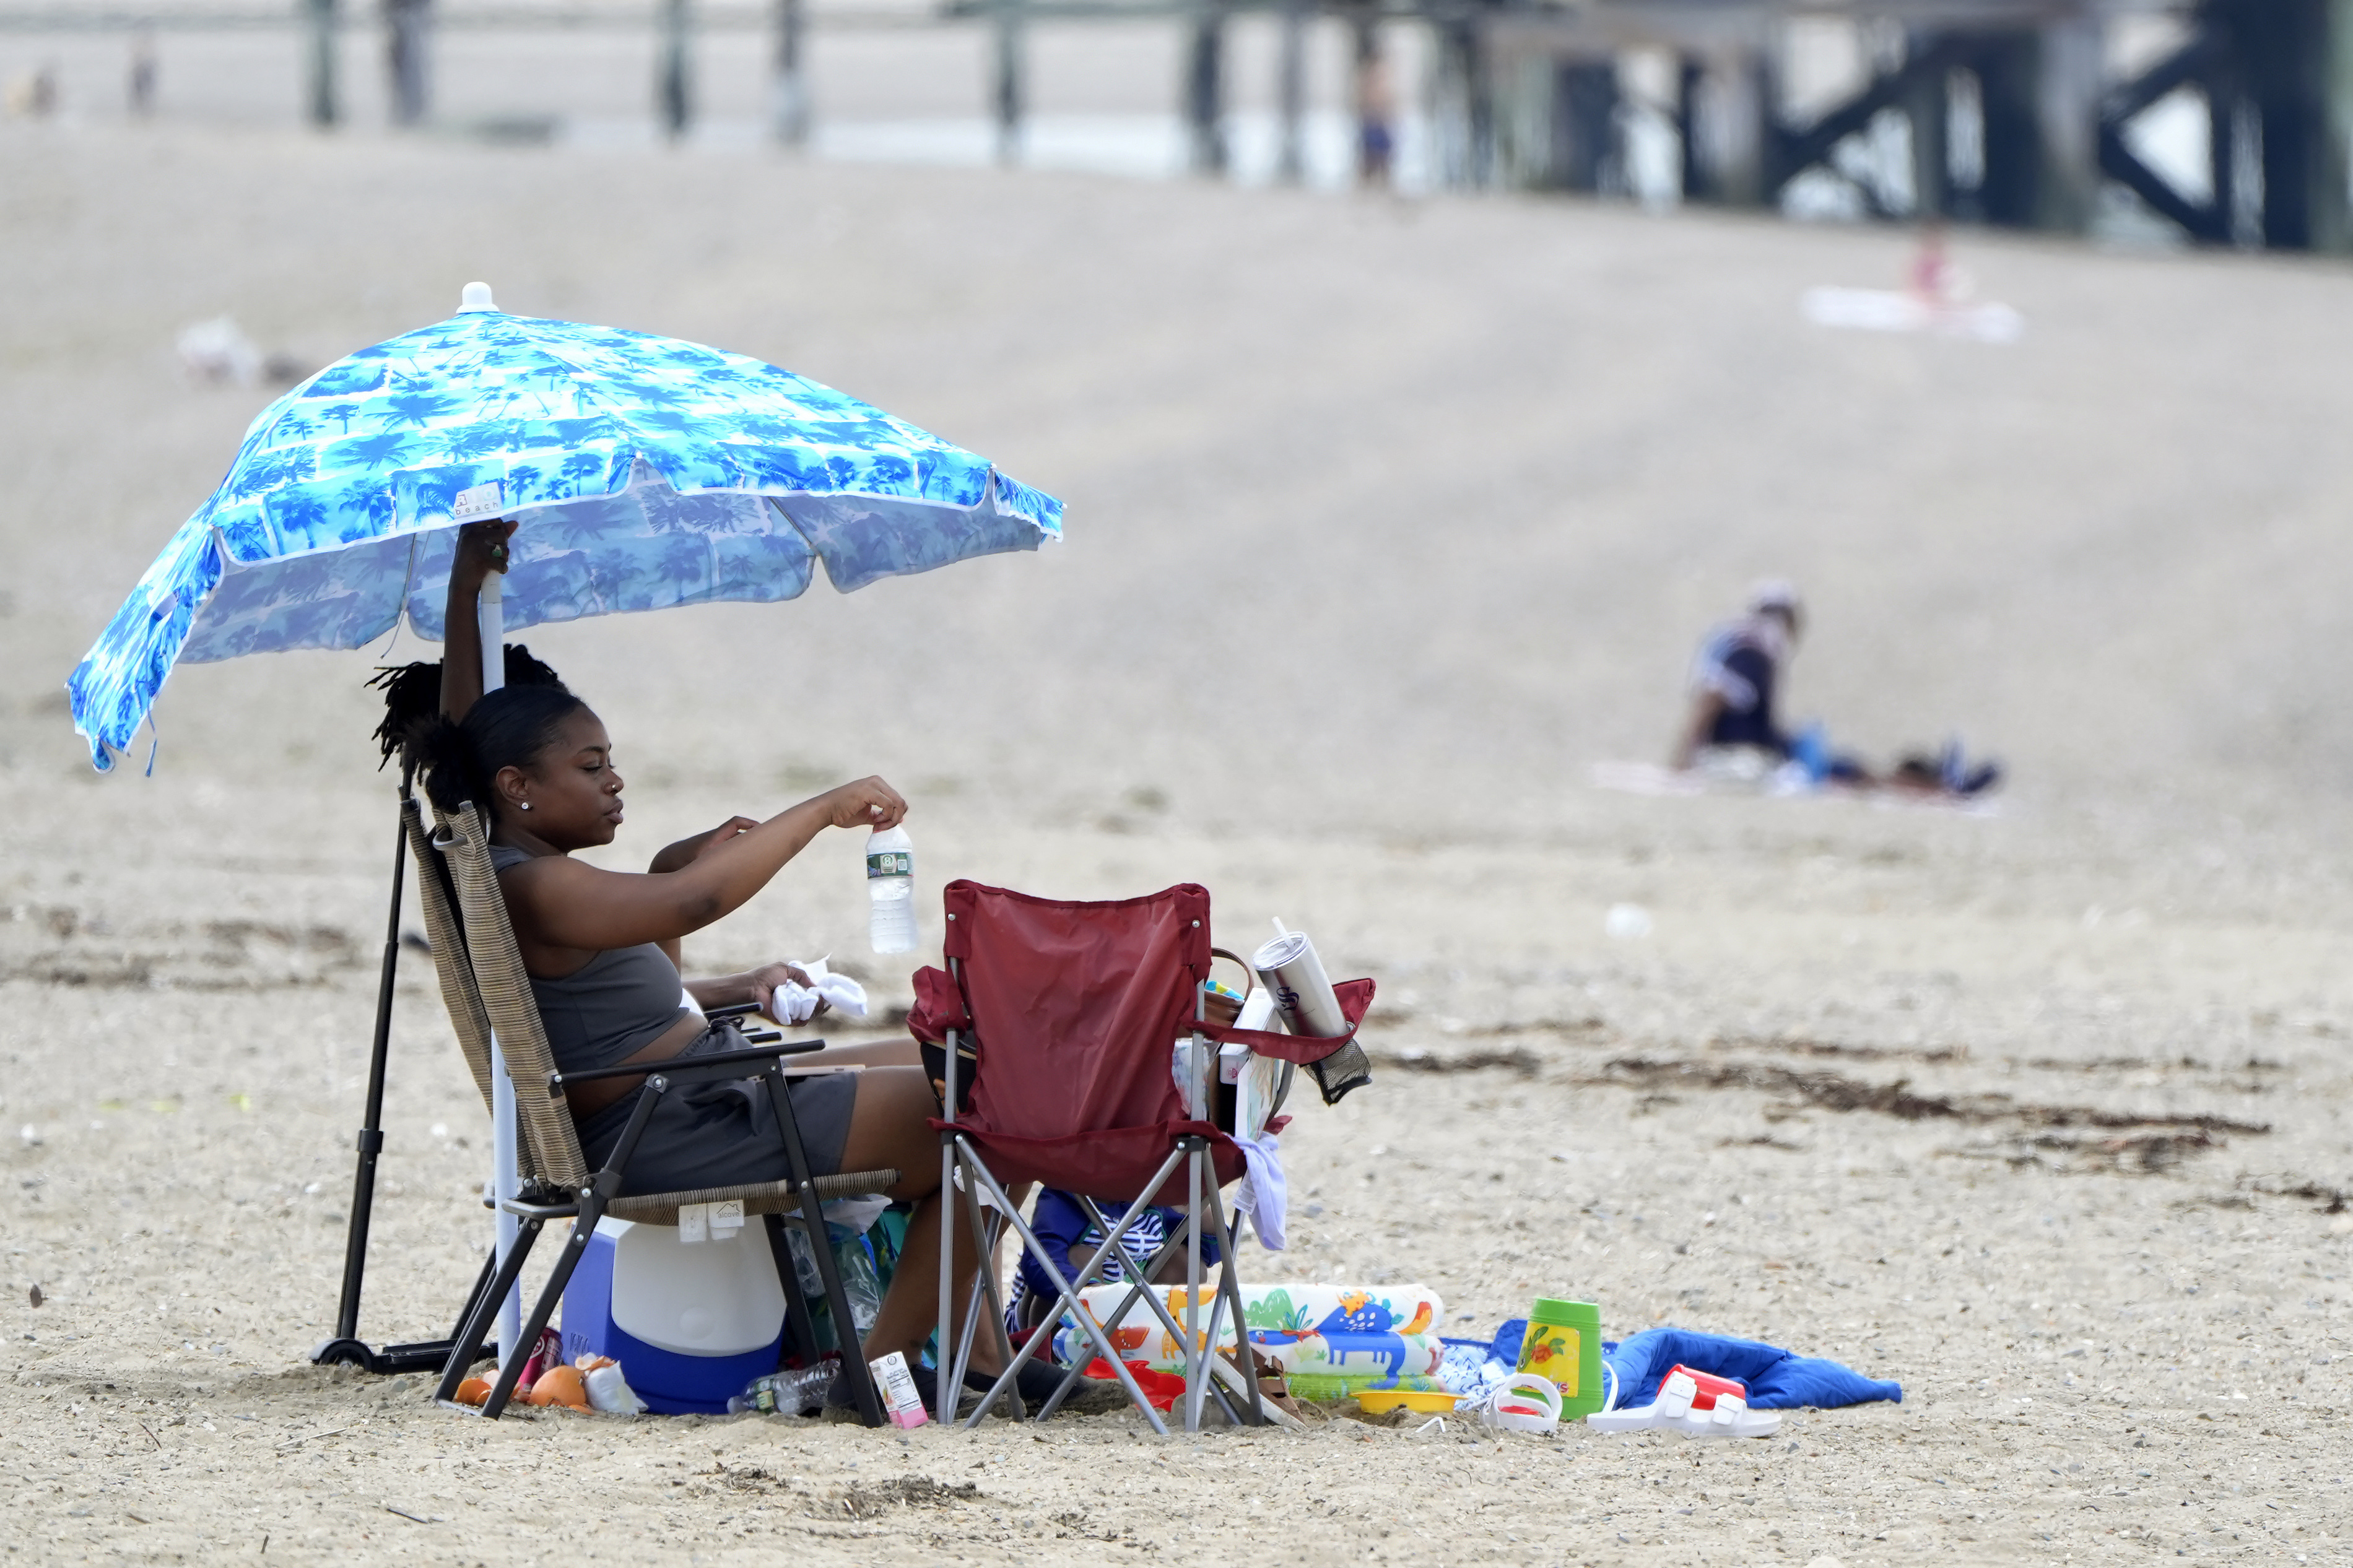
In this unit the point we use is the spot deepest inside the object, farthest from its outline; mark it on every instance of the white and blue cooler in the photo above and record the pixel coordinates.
(691, 1323)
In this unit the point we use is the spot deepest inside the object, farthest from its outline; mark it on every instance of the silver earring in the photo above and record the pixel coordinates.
(525, 803)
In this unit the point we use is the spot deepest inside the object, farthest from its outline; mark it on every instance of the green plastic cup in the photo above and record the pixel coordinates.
(1563, 1344)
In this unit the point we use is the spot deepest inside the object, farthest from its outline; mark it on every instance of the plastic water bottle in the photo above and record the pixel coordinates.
(890, 886)
(785, 1393)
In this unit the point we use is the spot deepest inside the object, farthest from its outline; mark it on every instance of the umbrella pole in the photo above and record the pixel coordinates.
(371, 1140)
(505, 1183)
(347, 1346)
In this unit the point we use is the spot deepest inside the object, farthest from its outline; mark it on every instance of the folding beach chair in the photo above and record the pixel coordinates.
(1064, 1021)
(491, 1003)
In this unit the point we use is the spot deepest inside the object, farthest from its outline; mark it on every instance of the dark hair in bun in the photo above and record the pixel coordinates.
(412, 694)
(509, 728)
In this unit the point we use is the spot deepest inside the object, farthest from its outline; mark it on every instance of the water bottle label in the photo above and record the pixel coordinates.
(892, 863)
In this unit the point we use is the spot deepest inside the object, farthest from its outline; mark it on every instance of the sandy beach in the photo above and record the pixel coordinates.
(1388, 523)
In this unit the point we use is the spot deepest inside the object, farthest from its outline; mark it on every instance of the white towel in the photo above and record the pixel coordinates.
(1264, 1192)
(797, 1003)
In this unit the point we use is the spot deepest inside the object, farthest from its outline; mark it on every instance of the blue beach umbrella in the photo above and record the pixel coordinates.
(644, 472)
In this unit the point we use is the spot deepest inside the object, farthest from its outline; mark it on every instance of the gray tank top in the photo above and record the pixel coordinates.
(610, 1008)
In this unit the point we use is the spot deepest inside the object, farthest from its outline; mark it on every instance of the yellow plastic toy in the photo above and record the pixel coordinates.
(1381, 1401)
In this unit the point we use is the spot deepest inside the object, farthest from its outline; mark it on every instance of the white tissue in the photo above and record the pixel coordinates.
(610, 1393)
(797, 1003)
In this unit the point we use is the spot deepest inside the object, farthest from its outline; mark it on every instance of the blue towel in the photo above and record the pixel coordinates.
(1776, 1380)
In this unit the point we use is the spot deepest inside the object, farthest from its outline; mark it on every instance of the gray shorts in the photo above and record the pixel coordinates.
(722, 1134)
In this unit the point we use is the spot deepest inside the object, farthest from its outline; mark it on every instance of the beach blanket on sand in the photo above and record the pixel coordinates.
(1777, 1379)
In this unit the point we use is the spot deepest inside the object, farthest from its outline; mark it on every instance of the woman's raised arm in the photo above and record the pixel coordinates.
(481, 550)
(559, 902)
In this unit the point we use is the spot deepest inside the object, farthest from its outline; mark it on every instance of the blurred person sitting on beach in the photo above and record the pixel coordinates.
(601, 949)
(1734, 677)
(1735, 682)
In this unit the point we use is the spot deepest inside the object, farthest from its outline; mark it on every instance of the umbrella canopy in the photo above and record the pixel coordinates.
(643, 472)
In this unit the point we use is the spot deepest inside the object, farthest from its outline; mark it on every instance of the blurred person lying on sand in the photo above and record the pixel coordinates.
(601, 949)
(1734, 679)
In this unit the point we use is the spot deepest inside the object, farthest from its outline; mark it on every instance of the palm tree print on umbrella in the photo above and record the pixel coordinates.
(643, 472)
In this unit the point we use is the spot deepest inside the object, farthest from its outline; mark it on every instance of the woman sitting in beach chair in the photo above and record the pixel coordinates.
(601, 949)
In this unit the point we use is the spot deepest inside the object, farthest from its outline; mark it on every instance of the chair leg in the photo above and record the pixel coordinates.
(956, 1360)
(1142, 1291)
(982, 1303)
(985, 1298)
(947, 1383)
(1114, 1249)
(812, 1223)
(1196, 1359)
(467, 1343)
(1182, 1240)
(1140, 1287)
(1230, 1287)
(594, 1197)
(1214, 1337)
(997, 1305)
(1066, 1296)
(583, 1227)
(1201, 1347)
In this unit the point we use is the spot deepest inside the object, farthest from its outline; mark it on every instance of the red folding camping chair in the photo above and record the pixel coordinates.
(1055, 1030)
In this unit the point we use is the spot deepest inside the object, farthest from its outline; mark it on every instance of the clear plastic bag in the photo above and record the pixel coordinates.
(861, 1282)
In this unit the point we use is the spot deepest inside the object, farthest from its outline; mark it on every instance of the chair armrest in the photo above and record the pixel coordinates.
(734, 1012)
(678, 1066)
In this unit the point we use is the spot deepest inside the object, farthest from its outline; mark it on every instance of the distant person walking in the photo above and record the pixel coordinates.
(34, 95)
(408, 43)
(140, 88)
(1375, 110)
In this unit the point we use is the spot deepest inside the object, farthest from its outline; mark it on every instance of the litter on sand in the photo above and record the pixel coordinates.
(1775, 1379)
(1889, 310)
(1941, 301)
